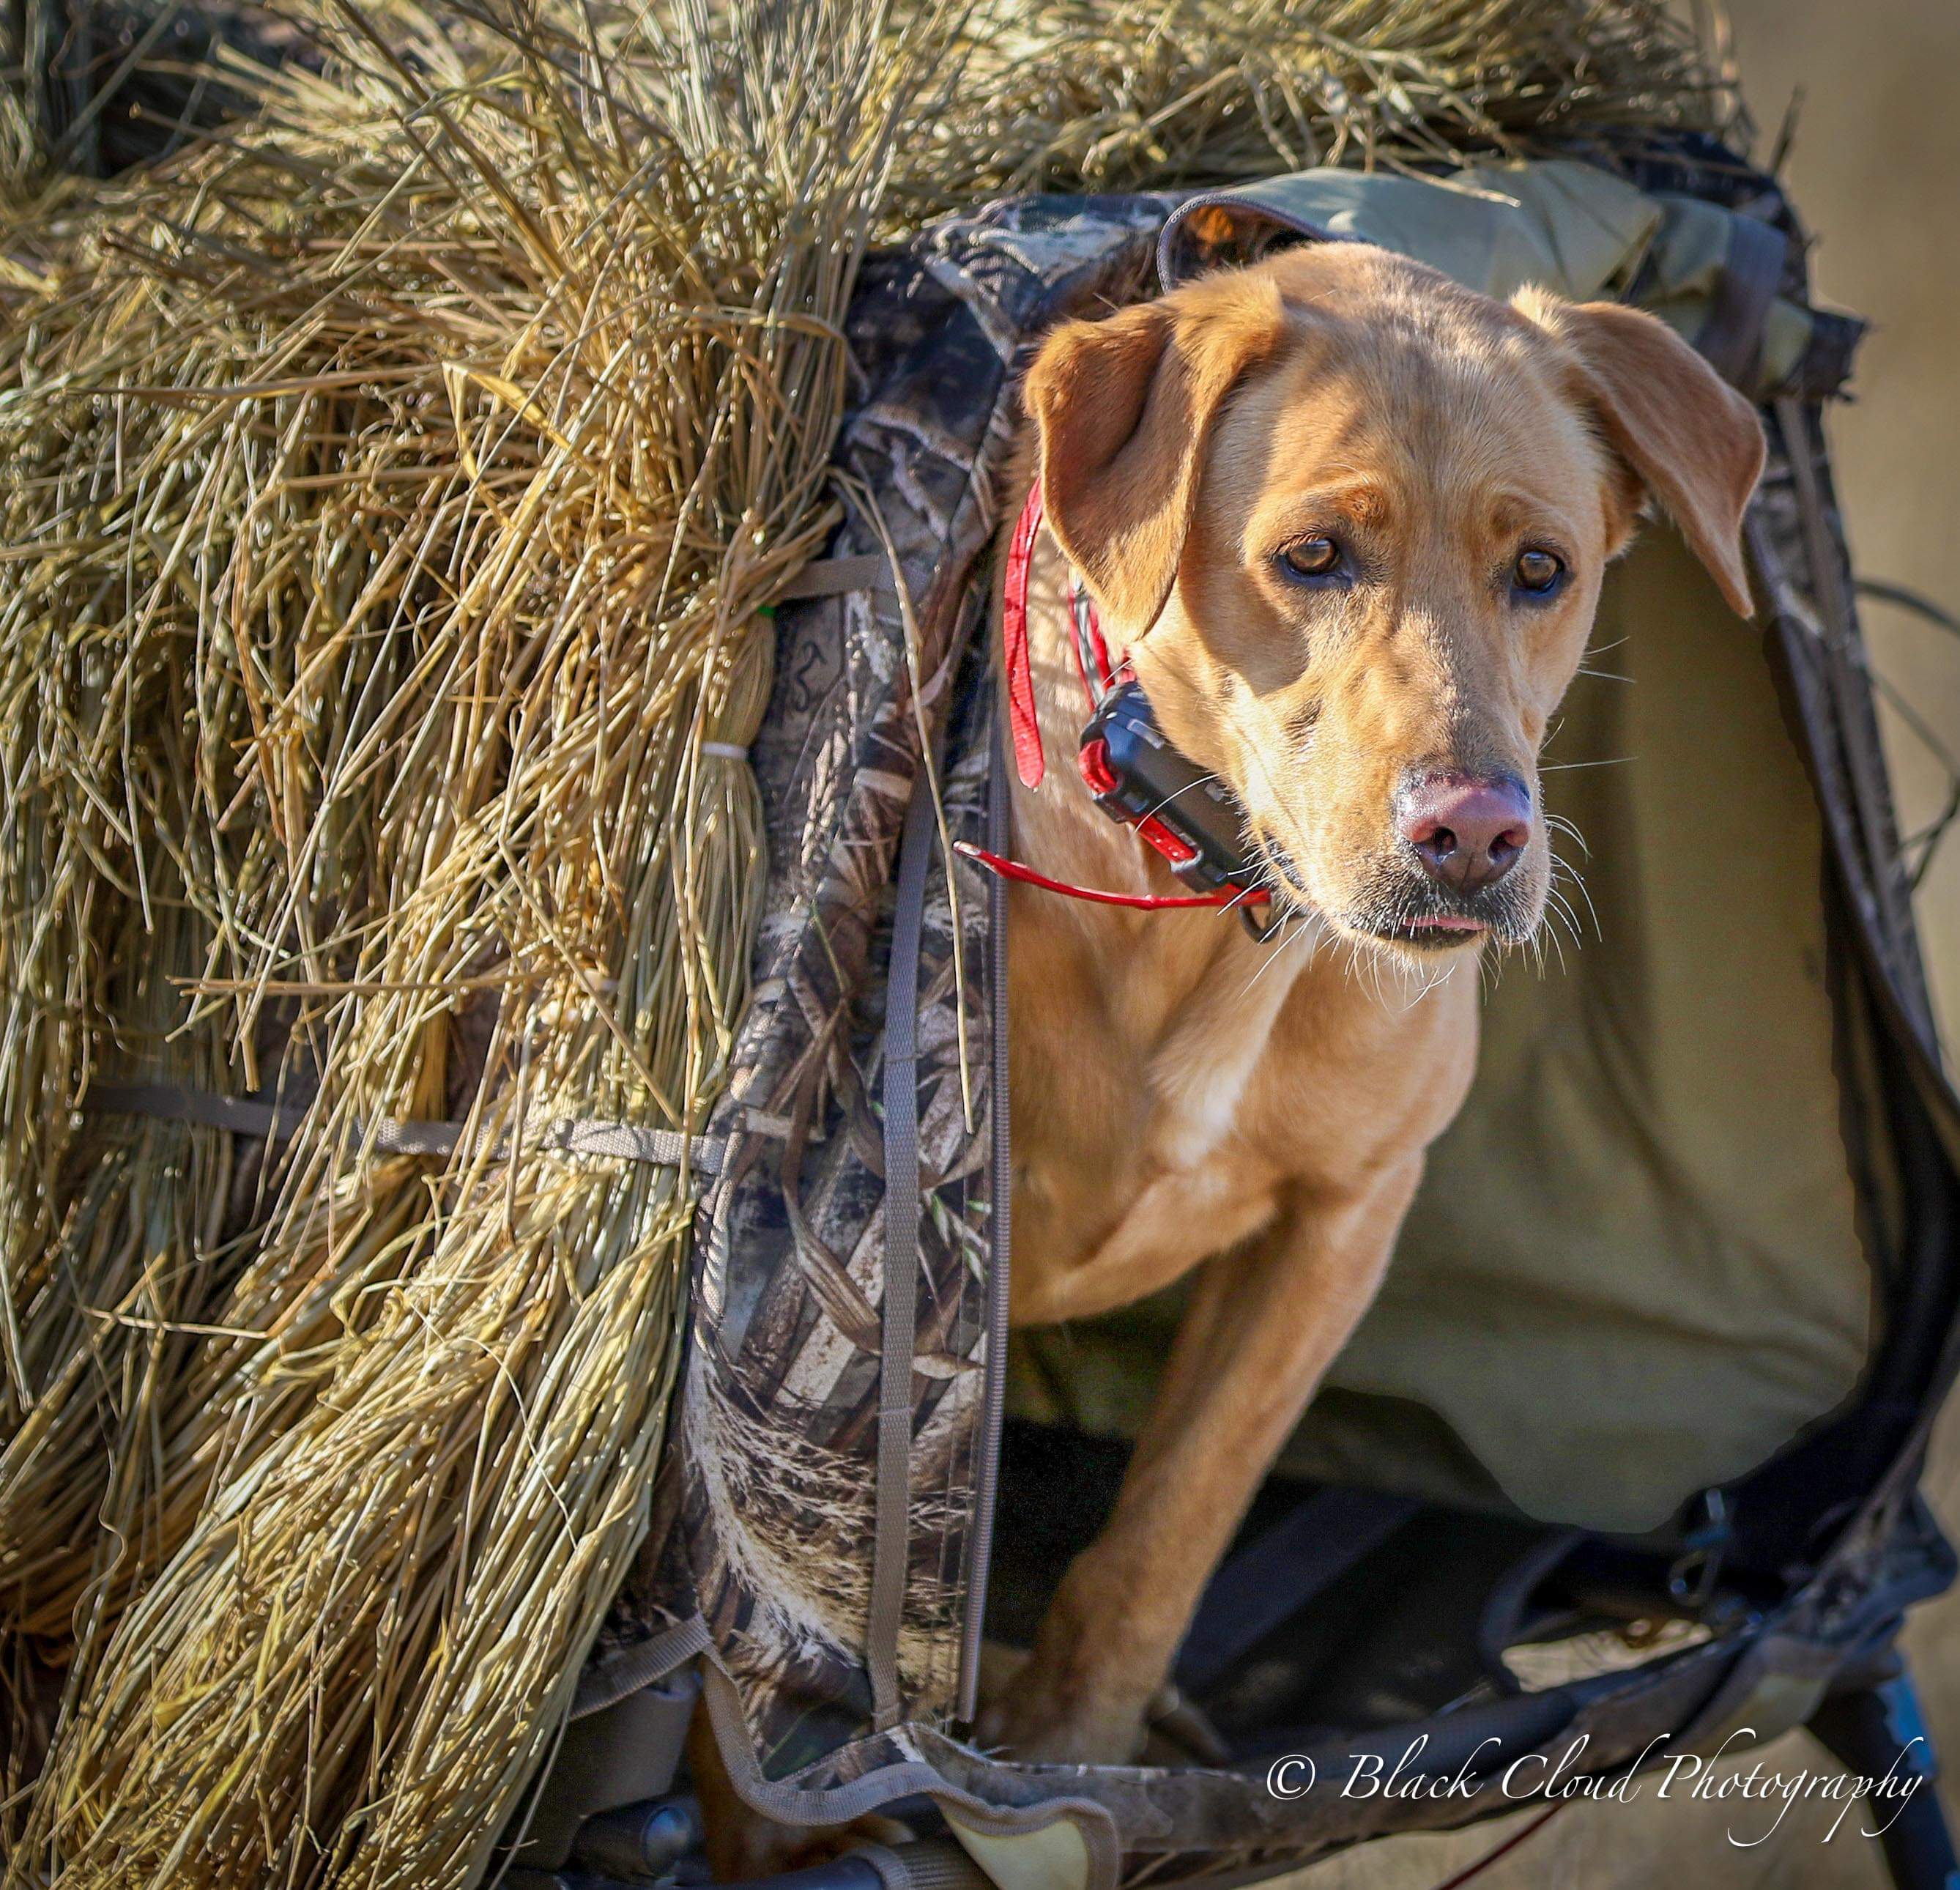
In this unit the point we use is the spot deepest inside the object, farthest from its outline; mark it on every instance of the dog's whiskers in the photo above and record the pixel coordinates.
(1549, 934)
(1559, 824)
(1565, 868)
(1283, 938)
(1559, 908)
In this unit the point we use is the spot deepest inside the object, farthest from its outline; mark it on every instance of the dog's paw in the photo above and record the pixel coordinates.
(1040, 1718)
(1021, 1720)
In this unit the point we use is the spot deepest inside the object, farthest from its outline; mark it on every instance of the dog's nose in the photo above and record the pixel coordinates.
(1467, 833)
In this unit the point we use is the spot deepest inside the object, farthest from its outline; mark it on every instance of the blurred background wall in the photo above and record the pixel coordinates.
(1874, 165)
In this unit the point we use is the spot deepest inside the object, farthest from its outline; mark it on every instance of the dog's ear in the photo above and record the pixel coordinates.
(1125, 406)
(1686, 436)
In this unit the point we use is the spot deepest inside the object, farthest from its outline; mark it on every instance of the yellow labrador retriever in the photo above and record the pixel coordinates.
(1349, 521)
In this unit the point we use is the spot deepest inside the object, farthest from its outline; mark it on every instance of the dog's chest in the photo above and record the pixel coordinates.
(1159, 1075)
(1201, 1073)
(1144, 1144)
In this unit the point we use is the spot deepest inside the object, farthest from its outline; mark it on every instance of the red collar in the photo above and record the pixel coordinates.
(1098, 675)
(1091, 652)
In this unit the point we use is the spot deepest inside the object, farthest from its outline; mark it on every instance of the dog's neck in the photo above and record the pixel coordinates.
(1189, 989)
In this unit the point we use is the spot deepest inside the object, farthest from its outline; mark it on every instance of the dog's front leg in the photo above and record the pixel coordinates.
(1265, 1323)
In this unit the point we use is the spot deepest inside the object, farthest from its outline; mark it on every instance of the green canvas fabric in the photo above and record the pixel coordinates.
(1571, 227)
(1493, 227)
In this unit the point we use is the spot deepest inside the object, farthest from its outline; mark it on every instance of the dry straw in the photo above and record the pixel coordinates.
(392, 491)
(1132, 95)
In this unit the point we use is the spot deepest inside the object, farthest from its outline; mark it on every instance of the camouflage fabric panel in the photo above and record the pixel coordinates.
(764, 1518)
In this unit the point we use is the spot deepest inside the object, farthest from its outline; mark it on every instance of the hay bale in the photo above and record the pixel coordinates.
(392, 491)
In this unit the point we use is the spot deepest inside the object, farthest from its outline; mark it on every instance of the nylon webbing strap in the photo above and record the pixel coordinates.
(1859, 729)
(791, 1802)
(606, 1683)
(1000, 1247)
(567, 1135)
(170, 1104)
(893, 1537)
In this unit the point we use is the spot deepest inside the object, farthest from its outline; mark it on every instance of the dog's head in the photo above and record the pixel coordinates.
(1352, 520)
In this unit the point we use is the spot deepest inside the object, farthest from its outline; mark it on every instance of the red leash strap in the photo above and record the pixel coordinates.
(1088, 644)
(1029, 762)
(1138, 901)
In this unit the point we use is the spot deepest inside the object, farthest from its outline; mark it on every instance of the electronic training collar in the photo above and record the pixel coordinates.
(1139, 778)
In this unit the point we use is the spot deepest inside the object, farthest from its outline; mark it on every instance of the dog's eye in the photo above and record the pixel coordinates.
(1312, 557)
(1538, 572)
